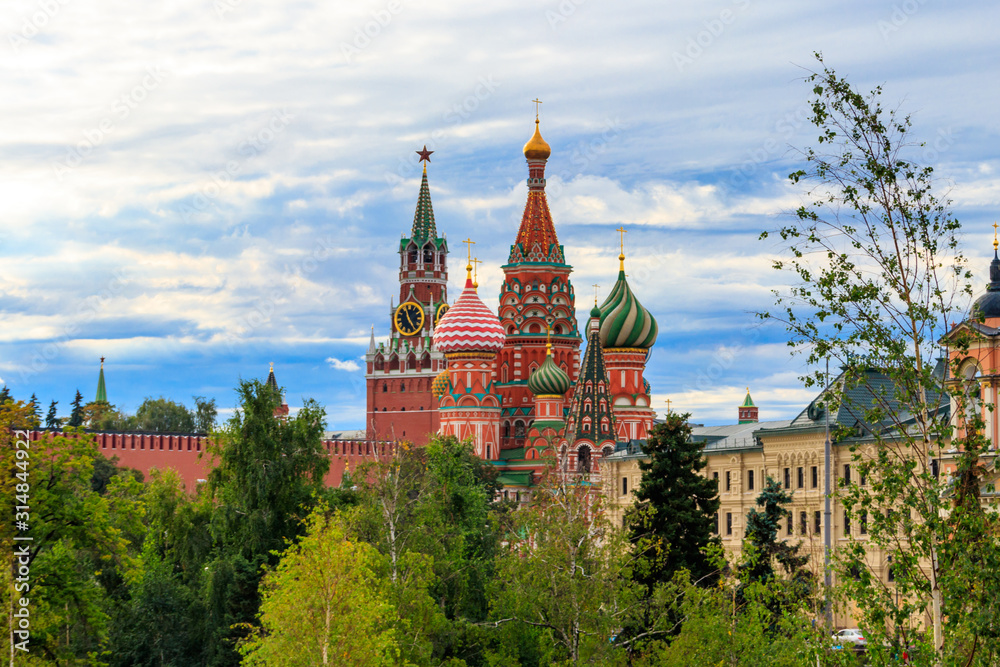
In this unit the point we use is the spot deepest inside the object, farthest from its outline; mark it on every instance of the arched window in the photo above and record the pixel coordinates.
(413, 257)
(402, 386)
(428, 254)
(583, 459)
(385, 387)
(506, 429)
(519, 429)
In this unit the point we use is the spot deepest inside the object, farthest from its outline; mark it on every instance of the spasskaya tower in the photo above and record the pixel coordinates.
(399, 372)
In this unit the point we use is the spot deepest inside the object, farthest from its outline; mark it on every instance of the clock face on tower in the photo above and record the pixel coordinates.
(442, 309)
(409, 318)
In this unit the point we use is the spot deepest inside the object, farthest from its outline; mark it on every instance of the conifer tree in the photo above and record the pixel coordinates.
(5, 395)
(761, 542)
(51, 418)
(76, 416)
(676, 516)
(36, 412)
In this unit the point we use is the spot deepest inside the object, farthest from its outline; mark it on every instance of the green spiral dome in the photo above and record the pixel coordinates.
(624, 322)
(548, 379)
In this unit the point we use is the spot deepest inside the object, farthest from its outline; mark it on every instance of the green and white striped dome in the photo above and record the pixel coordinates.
(548, 379)
(624, 322)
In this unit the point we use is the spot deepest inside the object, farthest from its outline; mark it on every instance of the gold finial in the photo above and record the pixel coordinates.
(748, 390)
(272, 366)
(537, 148)
(468, 267)
(995, 242)
(621, 254)
(548, 340)
(668, 406)
(596, 287)
(475, 274)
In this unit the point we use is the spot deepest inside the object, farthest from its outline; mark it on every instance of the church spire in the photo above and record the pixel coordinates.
(102, 392)
(536, 239)
(423, 219)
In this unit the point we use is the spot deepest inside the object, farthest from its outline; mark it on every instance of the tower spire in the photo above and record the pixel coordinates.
(423, 219)
(536, 238)
(102, 392)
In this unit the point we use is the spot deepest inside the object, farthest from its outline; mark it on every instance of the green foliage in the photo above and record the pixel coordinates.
(267, 477)
(324, 605)
(51, 418)
(674, 520)
(76, 416)
(80, 538)
(204, 415)
(880, 276)
(161, 415)
(567, 573)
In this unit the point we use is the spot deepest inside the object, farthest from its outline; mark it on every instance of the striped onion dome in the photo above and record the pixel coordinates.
(468, 326)
(624, 322)
(548, 379)
(646, 387)
(441, 384)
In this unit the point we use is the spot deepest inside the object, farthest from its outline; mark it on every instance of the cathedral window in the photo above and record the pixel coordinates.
(428, 255)
(413, 257)
(583, 459)
(385, 387)
(402, 386)
(518, 429)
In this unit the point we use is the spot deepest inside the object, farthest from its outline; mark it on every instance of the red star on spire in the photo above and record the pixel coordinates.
(425, 155)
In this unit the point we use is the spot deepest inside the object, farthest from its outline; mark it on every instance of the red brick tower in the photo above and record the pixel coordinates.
(399, 372)
(536, 293)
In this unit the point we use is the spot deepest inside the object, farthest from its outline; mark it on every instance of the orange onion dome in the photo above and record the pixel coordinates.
(468, 326)
(537, 148)
(441, 384)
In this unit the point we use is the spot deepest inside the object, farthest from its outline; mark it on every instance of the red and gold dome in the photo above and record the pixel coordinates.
(440, 386)
(468, 326)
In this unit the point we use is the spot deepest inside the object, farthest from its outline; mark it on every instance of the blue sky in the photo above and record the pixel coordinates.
(195, 189)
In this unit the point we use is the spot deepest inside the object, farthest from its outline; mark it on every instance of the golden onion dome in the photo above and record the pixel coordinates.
(441, 384)
(537, 148)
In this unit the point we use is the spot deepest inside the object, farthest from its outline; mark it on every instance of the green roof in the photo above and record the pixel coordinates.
(748, 402)
(507, 454)
(515, 478)
(102, 392)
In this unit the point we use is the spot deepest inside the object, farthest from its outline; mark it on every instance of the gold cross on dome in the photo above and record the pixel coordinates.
(668, 406)
(468, 244)
(622, 231)
(995, 242)
(537, 102)
(596, 287)
(475, 275)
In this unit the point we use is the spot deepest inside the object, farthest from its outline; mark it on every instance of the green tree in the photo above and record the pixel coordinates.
(566, 572)
(160, 415)
(877, 264)
(76, 415)
(675, 517)
(80, 538)
(268, 474)
(36, 411)
(51, 417)
(204, 414)
(324, 605)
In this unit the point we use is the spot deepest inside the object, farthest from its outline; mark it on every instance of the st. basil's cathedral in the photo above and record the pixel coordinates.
(512, 382)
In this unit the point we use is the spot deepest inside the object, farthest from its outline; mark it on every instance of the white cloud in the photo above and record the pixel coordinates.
(348, 365)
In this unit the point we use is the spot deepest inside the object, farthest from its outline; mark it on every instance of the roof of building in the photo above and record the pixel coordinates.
(988, 305)
(591, 416)
(549, 379)
(344, 435)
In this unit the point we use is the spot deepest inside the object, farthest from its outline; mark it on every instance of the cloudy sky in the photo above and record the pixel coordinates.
(196, 188)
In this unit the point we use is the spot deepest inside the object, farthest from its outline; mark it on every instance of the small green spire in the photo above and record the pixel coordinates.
(748, 402)
(102, 392)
